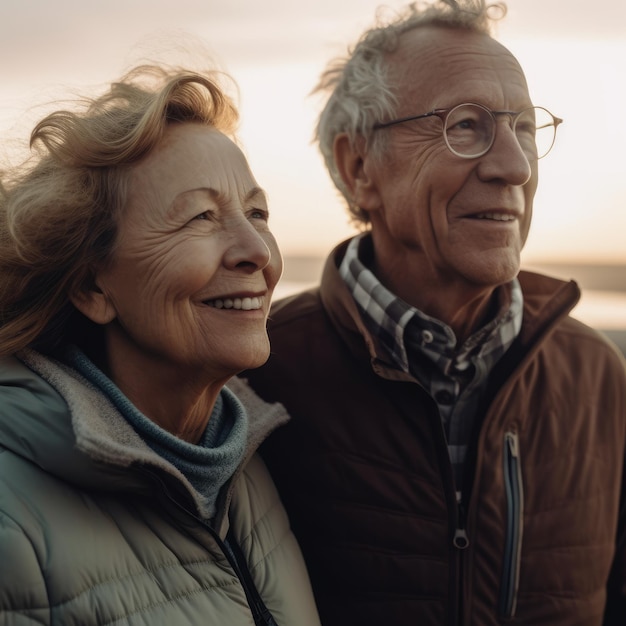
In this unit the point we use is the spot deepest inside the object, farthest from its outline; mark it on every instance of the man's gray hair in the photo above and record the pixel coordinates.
(360, 94)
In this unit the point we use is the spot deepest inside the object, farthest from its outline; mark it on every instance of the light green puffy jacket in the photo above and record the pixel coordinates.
(95, 528)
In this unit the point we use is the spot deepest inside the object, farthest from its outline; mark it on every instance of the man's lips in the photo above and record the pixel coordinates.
(497, 217)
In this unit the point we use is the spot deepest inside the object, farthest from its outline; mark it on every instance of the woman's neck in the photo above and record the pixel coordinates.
(178, 401)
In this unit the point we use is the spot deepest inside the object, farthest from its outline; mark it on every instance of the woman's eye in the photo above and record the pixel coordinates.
(205, 215)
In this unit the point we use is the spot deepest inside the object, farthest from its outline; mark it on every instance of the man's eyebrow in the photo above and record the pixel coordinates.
(254, 192)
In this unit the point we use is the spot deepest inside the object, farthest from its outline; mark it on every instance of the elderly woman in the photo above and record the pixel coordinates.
(136, 271)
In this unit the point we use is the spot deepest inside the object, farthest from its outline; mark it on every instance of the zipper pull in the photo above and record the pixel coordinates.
(512, 442)
(461, 540)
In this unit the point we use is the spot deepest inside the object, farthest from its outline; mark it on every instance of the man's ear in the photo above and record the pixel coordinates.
(93, 303)
(351, 160)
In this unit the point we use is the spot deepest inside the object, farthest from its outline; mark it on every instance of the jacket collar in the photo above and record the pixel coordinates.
(546, 301)
(56, 419)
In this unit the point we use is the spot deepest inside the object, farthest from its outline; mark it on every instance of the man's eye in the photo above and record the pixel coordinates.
(205, 215)
(526, 128)
(465, 124)
(259, 214)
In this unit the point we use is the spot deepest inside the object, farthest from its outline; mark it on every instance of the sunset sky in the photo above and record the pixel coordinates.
(575, 60)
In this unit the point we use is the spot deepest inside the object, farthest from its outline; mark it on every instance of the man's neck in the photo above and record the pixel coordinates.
(464, 308)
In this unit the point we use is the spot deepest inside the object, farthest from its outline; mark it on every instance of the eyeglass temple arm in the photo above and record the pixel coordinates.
(408, 119)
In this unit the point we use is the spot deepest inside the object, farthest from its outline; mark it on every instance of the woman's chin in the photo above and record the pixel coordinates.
(247, 360)
(257, 361)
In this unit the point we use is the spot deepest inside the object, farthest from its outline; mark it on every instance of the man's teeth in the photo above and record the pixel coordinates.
(244, 304)
(498, 217)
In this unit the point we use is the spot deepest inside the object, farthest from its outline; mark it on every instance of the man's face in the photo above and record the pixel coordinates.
(438, 219)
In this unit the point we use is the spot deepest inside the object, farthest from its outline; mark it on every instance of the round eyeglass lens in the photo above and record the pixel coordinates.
(469, 130)
(535, 131)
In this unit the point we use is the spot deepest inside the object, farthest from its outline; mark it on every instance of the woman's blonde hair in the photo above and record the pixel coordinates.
(59, 211)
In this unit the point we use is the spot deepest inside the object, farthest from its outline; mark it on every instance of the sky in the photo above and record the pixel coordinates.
(574, 57)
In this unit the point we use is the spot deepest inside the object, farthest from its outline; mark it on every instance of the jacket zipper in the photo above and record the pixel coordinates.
(514, 490)
(457, 520)
(260, 613)
(461, 542)
(232, 551)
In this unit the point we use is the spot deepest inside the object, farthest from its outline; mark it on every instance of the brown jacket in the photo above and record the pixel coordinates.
(364, 472)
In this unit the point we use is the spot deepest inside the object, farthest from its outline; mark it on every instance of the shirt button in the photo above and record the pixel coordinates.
(427, 336)
(444, 397)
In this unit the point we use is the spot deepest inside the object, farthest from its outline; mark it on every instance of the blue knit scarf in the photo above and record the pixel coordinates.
(207, 465)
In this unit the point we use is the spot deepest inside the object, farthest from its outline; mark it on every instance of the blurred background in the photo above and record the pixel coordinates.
(574, 57)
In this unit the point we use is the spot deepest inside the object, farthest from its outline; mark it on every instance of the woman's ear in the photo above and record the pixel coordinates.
(351, 161)
(93, 303)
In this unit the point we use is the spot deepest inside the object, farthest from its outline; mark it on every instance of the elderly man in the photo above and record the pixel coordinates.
(456, 451)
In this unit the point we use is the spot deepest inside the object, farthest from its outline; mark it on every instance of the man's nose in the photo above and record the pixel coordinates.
(506, 160)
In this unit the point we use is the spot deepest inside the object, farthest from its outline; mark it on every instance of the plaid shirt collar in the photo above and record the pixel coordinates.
(401, 328)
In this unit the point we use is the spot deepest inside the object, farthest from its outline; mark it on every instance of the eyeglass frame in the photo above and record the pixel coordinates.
(443, 114)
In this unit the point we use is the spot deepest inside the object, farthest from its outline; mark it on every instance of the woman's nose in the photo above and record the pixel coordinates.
(247, 249)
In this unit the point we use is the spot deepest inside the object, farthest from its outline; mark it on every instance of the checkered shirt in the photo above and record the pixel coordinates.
(425, 347)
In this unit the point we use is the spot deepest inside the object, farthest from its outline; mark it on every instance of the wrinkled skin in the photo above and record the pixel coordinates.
(446, 230)
(185, 300)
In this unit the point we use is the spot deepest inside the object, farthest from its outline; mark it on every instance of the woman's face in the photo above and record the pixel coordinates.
(195, 264)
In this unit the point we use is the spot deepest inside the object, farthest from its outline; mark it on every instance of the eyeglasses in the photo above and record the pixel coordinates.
(469, 129)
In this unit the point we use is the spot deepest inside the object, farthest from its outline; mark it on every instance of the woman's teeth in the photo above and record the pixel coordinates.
(244, 304)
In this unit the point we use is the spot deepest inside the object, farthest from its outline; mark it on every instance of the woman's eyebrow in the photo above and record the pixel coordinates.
(180, 202)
